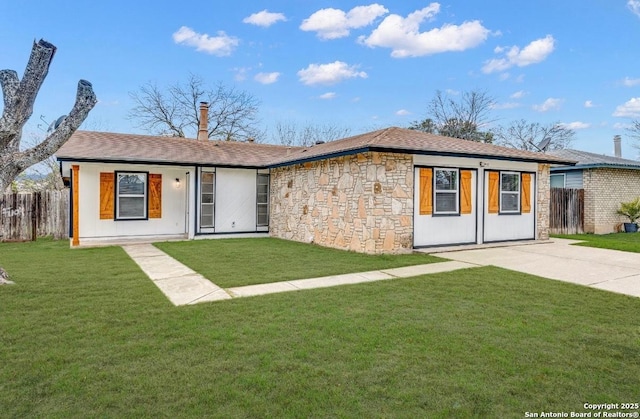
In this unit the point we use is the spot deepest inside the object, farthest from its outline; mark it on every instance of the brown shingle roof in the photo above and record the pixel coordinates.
(105, 146)
(411, 141)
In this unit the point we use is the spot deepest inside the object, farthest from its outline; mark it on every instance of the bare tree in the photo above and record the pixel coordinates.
(290, 133)
(19, 97)
(175, 111)
(525, 135)
(634, 133)
(460, 117)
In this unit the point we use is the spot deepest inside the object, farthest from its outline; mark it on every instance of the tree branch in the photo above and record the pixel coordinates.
(85, 101)
(20, 96)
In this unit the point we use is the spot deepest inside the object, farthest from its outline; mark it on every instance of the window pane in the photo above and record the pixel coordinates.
(207, 177)
(207, 198)
(131, 184)
(263, 189)
(206, 221)
(510, 182)
(446, 202)
(207, 210)
(207, 188)
(509, 202)
(131, 207)
(263, 215)
(557, 181)
(446, 180)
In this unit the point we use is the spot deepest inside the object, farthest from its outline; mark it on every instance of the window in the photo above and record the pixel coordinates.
(131, 195)
(206, 199)
(262, 199)
(509, 192)
(557, 181)
(446, 191)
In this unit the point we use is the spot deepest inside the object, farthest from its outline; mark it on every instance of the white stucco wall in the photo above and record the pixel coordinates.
(433, 231)
(502, 227)
(235, 198)
(437, 230)
(174, 203)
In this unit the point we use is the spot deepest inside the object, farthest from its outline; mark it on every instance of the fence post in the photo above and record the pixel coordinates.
(34, 216)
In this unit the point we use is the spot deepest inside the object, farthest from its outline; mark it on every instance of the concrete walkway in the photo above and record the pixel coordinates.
(184, 286)
(179, 283)
(605, 269)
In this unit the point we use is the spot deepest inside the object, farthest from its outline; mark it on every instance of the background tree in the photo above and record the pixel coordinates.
(175, 111)
(525, 135)
(290, 133)
(461, 117)
(634, 133)
(19, 96)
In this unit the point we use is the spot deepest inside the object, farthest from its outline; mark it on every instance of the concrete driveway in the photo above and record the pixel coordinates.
(610, 270)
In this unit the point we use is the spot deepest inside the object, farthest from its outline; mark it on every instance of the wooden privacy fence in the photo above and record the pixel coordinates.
(25, 216)
(566, 215)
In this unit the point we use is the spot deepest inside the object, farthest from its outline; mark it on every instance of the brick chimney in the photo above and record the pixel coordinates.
(617, 147)
(203, 129)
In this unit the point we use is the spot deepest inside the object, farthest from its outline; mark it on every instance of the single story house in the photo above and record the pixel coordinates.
(607, 181)
(389, 190)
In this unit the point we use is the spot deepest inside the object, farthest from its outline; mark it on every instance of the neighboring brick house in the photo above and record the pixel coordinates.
(386, 191)
(607, 181)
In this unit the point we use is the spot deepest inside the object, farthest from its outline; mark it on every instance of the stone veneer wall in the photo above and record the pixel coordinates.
(604, 190)
(544, 201)
(362, 202)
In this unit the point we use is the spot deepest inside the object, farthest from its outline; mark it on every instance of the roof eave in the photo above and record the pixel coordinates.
(594, 166)
(370, 148)
(158, 162)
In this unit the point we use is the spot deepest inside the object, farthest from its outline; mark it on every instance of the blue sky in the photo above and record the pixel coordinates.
(354, 64)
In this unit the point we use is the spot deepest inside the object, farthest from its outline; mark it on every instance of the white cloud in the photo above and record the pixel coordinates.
(404, 38)
(335, 23)
(575, 125)
(328, 95)
(267, 78)
(403, 112)
(630, 82)
(634, 6)
(621, 125)
(630, 108)
(518, 95)
(328, 74)
(264, 18)
(220, 45)
(589, 104)
(548, 105)
(533, 53)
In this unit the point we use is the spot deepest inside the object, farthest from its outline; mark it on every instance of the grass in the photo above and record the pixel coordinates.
(628, 242)
(84, 333)
(237, 262)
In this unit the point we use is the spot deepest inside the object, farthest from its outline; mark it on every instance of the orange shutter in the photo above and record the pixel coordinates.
(526, 193)
(494, 192)
(155, 195)
(465, 192)
(426, 198)
(106, 196)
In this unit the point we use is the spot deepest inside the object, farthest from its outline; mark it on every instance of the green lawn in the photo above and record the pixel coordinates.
(84, 333)
(628, 242)
(237, 262)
